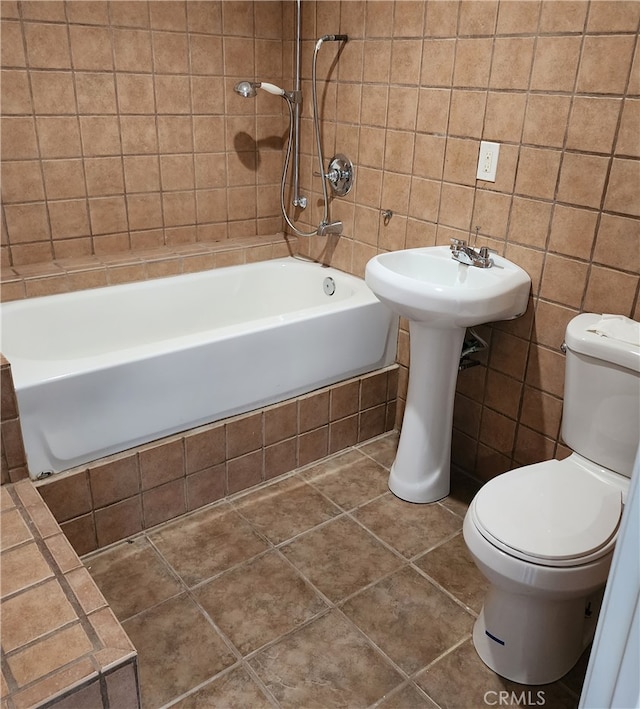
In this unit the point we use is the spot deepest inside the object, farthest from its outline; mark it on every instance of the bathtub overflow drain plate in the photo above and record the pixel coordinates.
(329, 285)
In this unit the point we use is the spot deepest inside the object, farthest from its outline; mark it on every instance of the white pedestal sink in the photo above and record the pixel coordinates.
(441, 298)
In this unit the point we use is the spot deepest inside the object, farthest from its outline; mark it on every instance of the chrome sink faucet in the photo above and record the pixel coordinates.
(462, 252)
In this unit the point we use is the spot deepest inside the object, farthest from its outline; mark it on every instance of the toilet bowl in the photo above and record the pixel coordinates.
(547, 559)
(543, 535)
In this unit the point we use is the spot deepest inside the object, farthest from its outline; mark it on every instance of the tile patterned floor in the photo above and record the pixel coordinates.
(320, 589)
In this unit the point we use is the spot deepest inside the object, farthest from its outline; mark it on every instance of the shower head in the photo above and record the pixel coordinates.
(249, 89)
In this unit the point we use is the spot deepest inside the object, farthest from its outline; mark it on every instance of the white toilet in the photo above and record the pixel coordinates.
(543, 535)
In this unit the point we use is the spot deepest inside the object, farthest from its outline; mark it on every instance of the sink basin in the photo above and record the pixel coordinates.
(441, 298)
(427, 285)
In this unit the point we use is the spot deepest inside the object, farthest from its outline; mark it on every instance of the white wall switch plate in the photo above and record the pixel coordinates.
(488, 161)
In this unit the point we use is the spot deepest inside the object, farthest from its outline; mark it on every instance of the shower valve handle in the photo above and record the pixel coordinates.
(333, 175)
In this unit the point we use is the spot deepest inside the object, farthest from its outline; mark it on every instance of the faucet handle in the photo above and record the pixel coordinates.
(457, 244)
(484, 260)
(485, 251)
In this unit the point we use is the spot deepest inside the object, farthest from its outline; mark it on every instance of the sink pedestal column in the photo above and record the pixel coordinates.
(421, 470)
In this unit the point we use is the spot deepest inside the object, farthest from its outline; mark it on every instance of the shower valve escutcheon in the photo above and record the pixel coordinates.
(340, 175)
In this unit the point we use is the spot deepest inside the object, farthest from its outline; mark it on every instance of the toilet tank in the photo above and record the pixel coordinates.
(601, 415)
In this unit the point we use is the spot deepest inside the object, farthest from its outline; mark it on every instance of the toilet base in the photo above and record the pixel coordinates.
(533, 641)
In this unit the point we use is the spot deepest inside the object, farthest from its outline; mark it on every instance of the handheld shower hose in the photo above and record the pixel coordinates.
(249, 88)
(316, 126)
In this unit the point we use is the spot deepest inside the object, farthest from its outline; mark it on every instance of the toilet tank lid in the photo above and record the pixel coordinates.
(581, 336)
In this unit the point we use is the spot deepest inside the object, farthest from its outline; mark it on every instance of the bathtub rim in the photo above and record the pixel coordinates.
(30, 371)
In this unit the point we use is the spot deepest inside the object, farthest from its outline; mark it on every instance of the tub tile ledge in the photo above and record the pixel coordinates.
(61, 642)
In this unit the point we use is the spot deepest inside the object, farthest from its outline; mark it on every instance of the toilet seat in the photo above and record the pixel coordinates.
(555, 513)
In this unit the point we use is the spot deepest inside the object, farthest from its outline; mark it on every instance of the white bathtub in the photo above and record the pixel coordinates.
(100, 371)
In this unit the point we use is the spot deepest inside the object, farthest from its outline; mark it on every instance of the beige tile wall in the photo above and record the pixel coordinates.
(121, 130)
(142, 143)
(557, 84)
